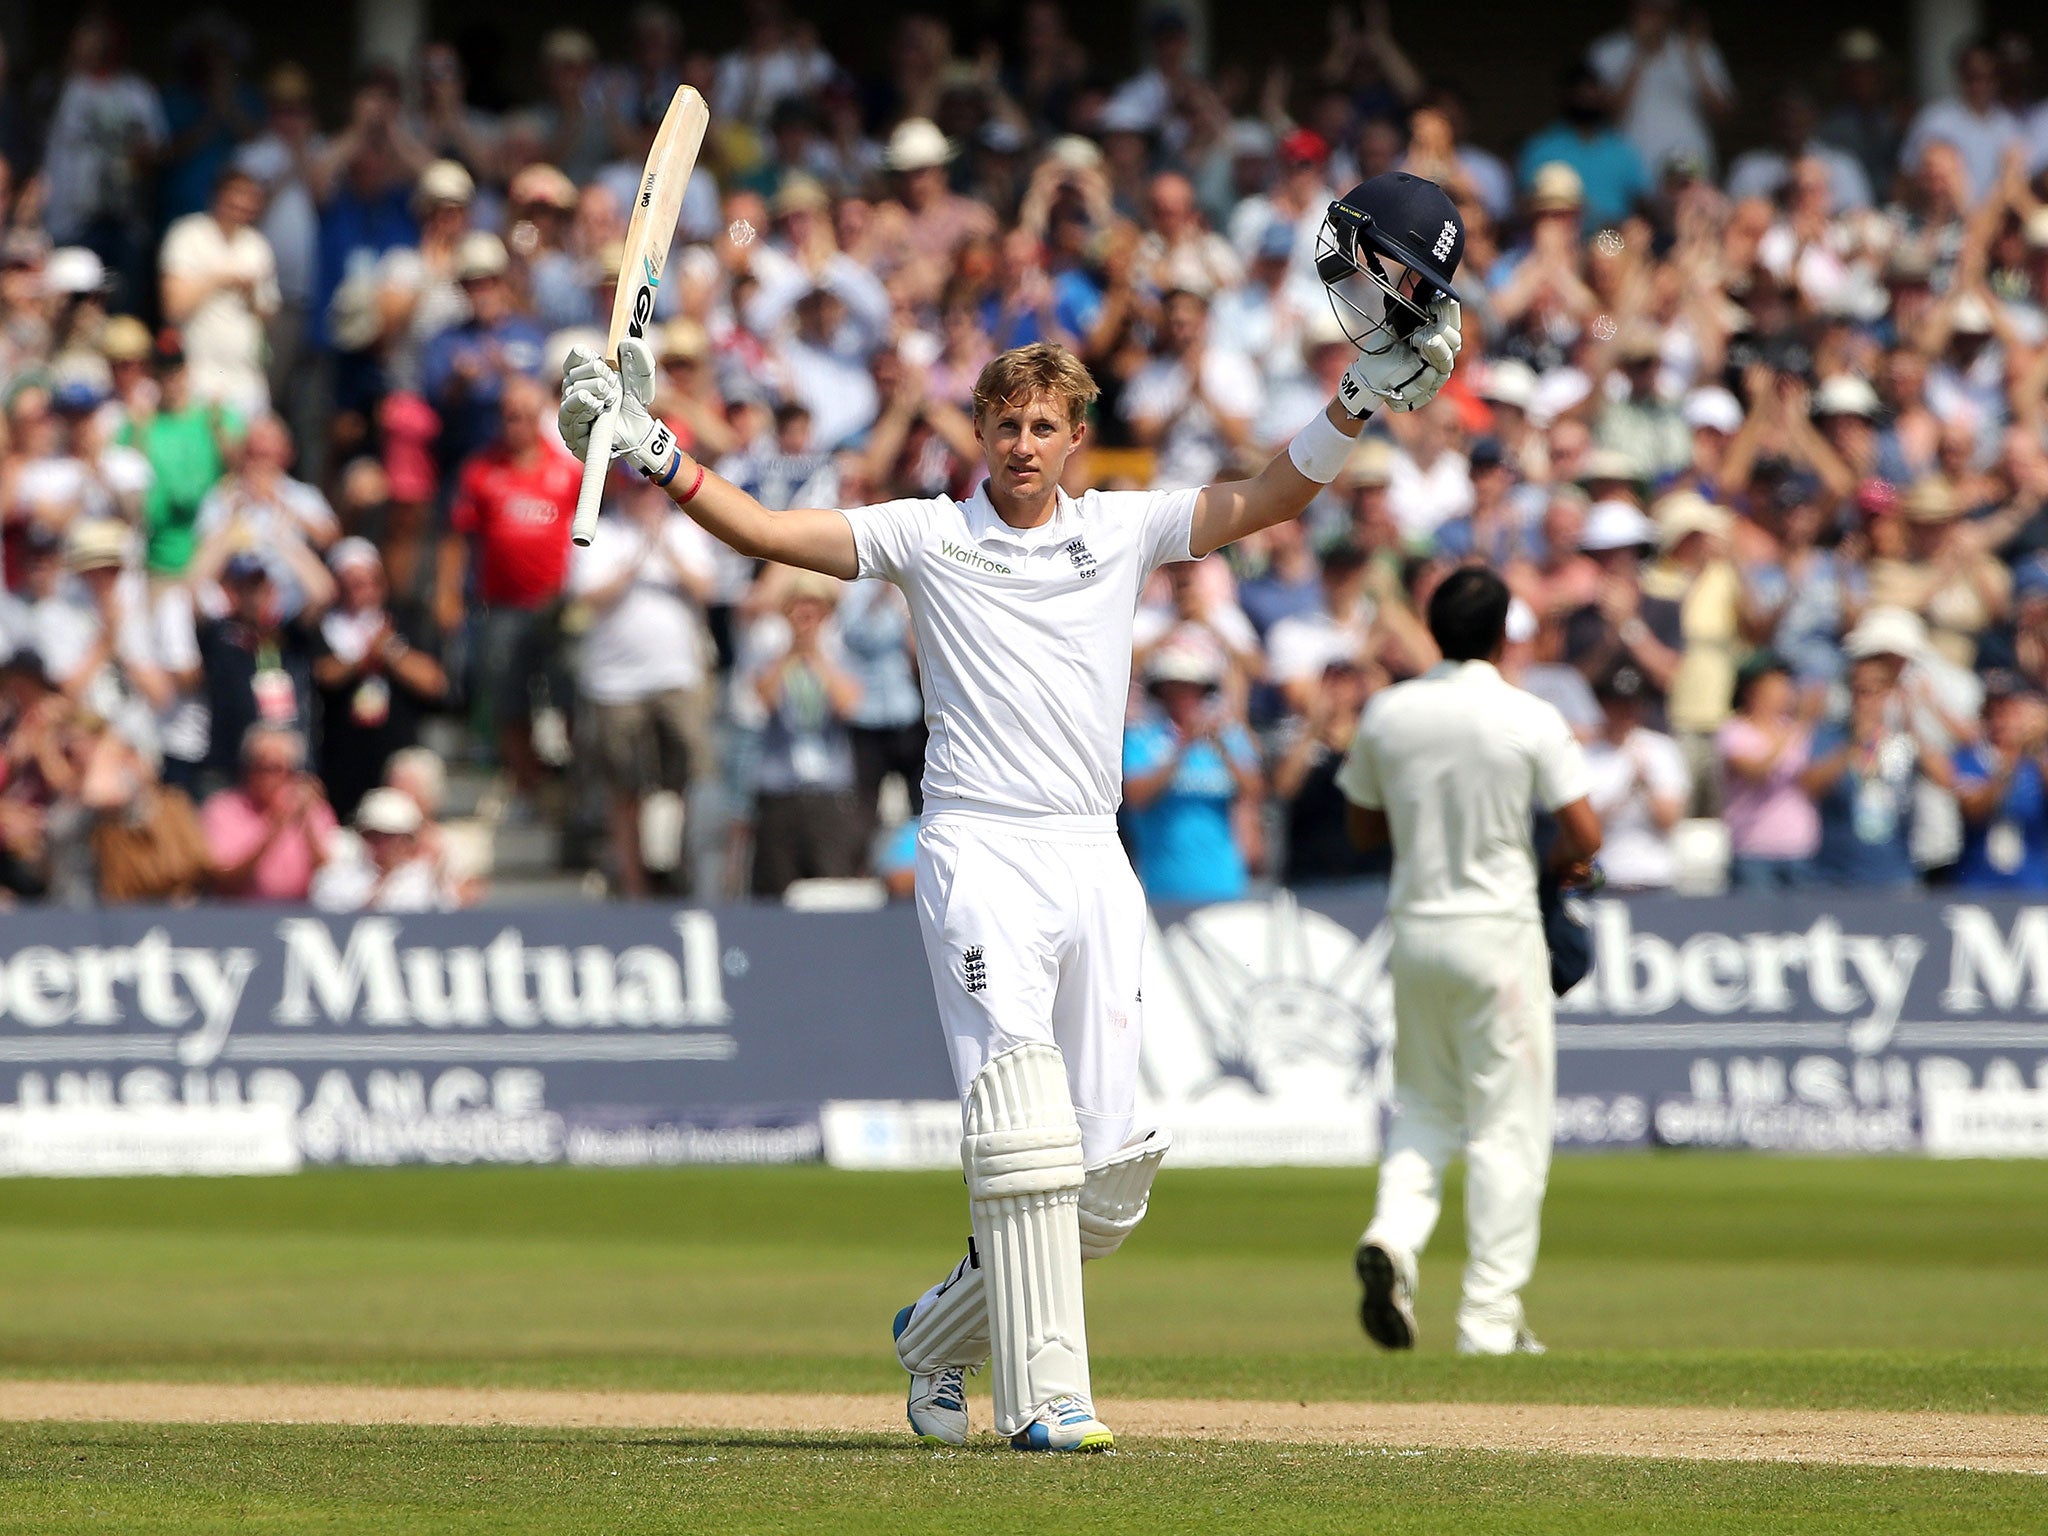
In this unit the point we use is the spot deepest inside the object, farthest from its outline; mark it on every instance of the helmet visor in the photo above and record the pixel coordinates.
(1374, 299)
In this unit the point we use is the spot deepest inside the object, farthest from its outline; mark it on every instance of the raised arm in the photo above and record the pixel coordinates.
(1231, 510)
(1405, 377)
(813, 539)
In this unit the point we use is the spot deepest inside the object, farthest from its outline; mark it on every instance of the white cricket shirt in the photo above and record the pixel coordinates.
(1024, 640)
(1458, 759)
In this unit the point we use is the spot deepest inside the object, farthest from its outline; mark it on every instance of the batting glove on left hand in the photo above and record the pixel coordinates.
(1408, 375)
(591, 386)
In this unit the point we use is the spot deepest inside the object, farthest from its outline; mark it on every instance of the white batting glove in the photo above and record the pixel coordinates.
(1408, 375)
(591, 386)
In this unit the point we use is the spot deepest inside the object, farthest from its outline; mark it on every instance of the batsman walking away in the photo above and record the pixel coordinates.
(1022, 600)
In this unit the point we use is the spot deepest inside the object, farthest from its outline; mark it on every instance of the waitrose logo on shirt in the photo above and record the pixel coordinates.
(973, 558)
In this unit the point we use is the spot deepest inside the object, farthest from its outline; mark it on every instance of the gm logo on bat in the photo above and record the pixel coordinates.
(647, 189)
(643, 299)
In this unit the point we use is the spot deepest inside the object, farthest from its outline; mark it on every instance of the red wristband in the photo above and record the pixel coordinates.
(696, 485)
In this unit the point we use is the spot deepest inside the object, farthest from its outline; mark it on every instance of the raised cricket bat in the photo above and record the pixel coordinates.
(648, 233)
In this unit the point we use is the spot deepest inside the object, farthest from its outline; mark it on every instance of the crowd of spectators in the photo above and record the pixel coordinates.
(1758, 439)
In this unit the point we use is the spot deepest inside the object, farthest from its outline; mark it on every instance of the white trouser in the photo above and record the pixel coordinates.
(1036, 934)
(1475, 1065)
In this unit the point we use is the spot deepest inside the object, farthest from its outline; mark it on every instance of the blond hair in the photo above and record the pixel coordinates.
(1042, 370)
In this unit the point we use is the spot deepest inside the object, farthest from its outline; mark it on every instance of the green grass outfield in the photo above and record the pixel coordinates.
(181, 1481)
(1696, 1280)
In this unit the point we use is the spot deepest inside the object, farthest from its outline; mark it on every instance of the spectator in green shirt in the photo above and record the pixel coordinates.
(187, 443)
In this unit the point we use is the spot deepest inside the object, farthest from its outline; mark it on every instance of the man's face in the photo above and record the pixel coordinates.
(820, 316)
(1027, 445)
(1172, 206)
(1625, 564)
(362, 586)
(807, 616)
(489, 299)
(519, 419)
(268, 773)
(267, 447)
(238, 205)
(389, 849)
(924, 186)
(250, 599)
(1184, 317)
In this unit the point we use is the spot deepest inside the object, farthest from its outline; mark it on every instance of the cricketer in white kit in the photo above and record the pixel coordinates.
(1448, 766)
(1022, 600)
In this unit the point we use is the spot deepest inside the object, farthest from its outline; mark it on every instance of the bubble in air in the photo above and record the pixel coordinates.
(740, 232)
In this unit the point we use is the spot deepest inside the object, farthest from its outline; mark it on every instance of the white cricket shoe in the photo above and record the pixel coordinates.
(1522, 1342)
(938, 1406)
(1387, 1309)
(938, 1399)
(1067, 1424)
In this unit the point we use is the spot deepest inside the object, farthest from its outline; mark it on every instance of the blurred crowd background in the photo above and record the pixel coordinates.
(1752, 421)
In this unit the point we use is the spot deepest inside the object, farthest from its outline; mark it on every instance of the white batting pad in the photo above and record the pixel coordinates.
(1022, 1157)
(1115, 1192)
(949, 1324)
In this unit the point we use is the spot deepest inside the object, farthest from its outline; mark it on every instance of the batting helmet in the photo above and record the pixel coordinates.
(1395, 217)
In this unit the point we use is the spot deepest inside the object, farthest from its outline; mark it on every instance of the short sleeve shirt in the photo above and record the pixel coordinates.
(518, 515)
(1458, 759)
(2008, 851)
(1024, 638)
(1866, 817)
(1185, 850)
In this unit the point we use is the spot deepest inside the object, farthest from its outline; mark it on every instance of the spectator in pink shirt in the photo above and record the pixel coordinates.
(269, 835)
(1773, 828)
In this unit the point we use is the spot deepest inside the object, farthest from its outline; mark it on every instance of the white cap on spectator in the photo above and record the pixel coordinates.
(1074, 153)
(1370, 463)
(566, 45)
(1124, 116)
(555, 350)
(1521, 622)
(1845, 395)
(1323, 329)
(1972, 316)
(74, 269)
(1616, 525)
(1556, 188)
(1250, 137)
(1609, 464)
(390, 811)
(917, 144)
(481, 255)
(1182, 664)
(1713, 409)
(353, 551)
(97, 544)
(1684, 513)
(544, 184)
(445, 181)
(1887, 632)
(1509, 381)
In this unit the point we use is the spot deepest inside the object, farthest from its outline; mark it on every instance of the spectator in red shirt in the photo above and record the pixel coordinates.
(510, 521)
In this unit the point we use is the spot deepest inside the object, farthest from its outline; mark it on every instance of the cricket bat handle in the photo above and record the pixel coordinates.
(597, 463)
